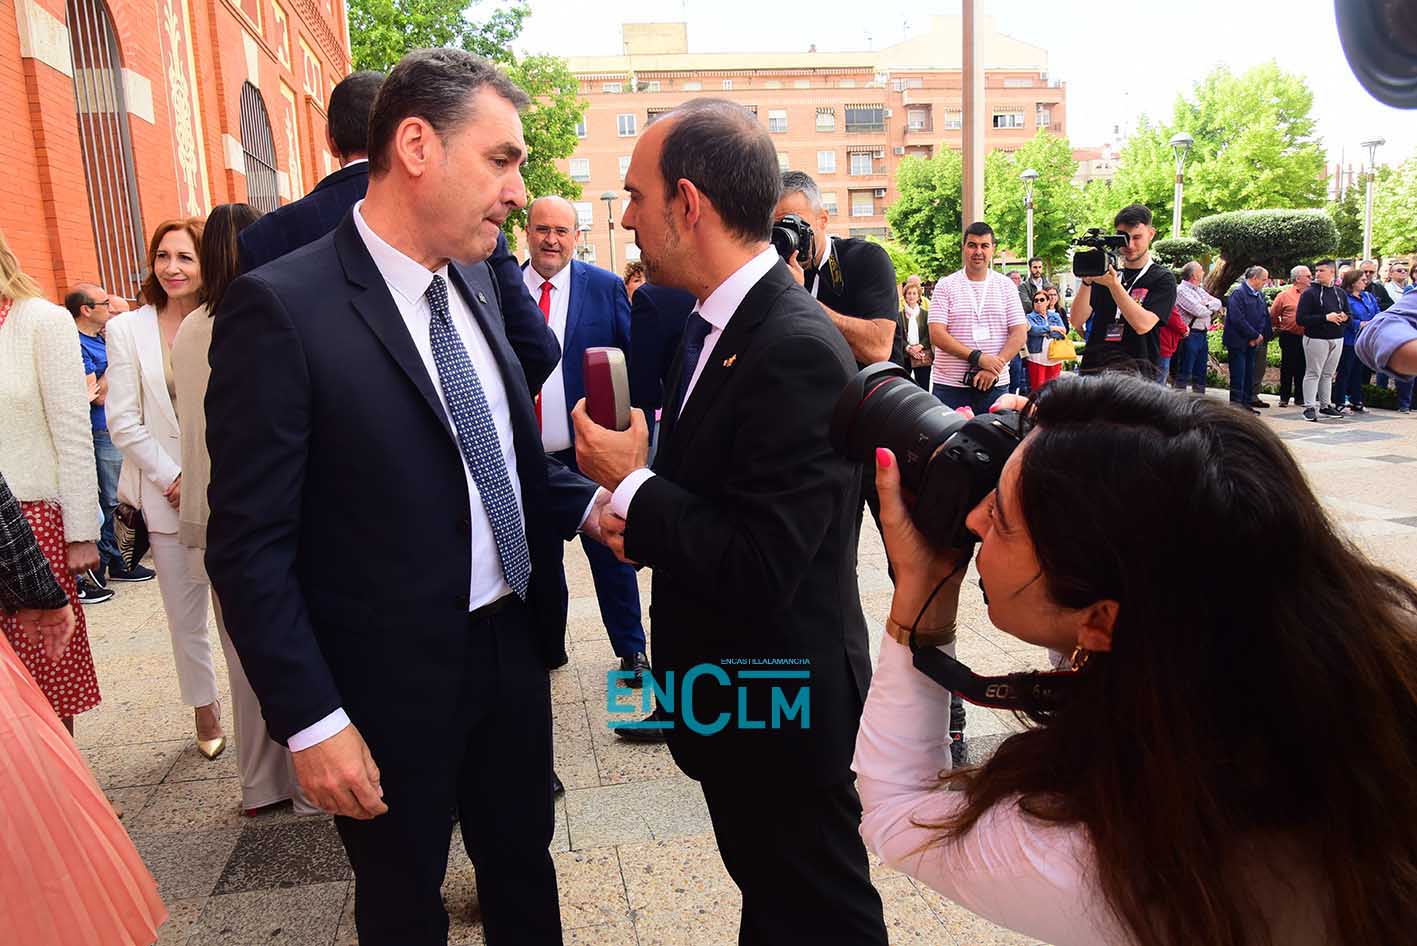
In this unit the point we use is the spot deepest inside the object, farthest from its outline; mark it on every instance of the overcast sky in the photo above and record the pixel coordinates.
(1119, 61)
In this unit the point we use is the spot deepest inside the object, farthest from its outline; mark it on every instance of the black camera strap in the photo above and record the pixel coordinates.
(1033, 691)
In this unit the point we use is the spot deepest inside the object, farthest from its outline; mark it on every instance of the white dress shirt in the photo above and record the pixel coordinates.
(716, 310)
(408, 280)
(555, 412)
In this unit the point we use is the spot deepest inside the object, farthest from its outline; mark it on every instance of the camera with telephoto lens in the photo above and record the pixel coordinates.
(792, 234)
(947, 461)
(1101, 252)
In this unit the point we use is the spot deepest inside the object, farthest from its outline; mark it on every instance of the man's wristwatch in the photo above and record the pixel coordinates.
(974, 357)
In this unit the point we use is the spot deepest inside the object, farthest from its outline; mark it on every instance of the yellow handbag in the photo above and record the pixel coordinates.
(1061, 349)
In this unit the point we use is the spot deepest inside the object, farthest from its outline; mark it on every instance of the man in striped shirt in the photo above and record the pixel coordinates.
(976, 325)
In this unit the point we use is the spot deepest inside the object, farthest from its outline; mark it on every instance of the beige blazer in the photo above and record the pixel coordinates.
(191, 372)
(141, 418)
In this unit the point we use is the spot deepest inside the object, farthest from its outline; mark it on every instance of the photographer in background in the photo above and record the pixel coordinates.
(1128, 306)
(1179, 791)
(852, 279)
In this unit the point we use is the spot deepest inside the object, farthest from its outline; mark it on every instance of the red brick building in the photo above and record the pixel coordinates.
(116, 115)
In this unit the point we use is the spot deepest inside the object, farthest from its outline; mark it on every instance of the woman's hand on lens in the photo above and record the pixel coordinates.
(919, 566)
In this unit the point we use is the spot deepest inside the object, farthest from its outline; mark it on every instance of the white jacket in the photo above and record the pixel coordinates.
(141, 418)
(46, 438)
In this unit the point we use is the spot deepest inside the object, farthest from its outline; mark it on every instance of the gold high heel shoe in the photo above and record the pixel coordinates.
(211, 748)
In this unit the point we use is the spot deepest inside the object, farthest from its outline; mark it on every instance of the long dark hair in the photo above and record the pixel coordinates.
(221, 260)
(1265, 713)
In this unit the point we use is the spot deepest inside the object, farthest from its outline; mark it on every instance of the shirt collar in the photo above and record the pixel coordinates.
(560, 281)
(405, 276)
(826, 251)
(719, 307)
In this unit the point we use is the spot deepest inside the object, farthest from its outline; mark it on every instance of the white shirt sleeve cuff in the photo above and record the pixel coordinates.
(589, 506)
(331, 725)
(625, 493)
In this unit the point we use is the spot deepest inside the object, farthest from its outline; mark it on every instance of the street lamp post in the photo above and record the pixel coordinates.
(1371, 146)
(1028, 177)
(1180, 144)
(609, 198)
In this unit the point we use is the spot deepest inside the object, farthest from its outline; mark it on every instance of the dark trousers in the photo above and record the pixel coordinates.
(1018, 378)
(921, 376)
(110, 465)
(1291, 367)
(616, 588)
(1352, 375)
(976, 400)
(798, 859)
(491, 764)
(1257, 369)
(1242, 363)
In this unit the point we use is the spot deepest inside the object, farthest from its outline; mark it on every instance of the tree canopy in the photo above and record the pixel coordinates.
(1274, 239)
(925, 217)
(1395, 210)
(1056, 201)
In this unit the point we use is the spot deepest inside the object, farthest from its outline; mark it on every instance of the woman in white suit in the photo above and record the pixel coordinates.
(143, 422)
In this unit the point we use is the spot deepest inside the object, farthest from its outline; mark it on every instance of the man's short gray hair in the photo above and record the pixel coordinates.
(1191, 269)
(800, 182)
(1294, 273)
(1255, 271)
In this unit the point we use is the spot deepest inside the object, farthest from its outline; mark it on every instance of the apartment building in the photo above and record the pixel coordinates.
(846, 118)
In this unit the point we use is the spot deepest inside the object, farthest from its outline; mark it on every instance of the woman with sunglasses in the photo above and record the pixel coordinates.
(1045, 325)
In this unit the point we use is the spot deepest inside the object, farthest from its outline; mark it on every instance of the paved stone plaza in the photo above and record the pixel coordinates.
(633, 848)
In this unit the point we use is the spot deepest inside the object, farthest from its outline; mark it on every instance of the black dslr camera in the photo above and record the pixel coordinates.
(947, 461)
(792, 234)
(1101, 252)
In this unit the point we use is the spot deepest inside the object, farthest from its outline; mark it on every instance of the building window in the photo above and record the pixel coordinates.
(954, 120)
(782, 163)
(258, 150)
(580, 127)
(1017, 83)
(865, 118)
(1008, 119)
(652, 85)
(693, 86)
(580, 169)
(861, 164)
(918, 119)
(846, 84)
(280, 26)
(624, 165)
(777, 120)
(310, 64)
(826, 119)
(106, 144)
(625, 125)
(584, 210)
(728, 85)
(801, 83)
(829, 202)
(612, 87)
(826, 162)
(772, 84)
(863, 204)
(1043, 116)
(652, 113)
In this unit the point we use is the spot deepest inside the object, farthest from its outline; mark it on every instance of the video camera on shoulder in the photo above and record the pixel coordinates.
(793, 234)
(1100, 254)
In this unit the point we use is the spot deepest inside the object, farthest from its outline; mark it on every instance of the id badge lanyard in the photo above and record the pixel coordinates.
(1115, 332)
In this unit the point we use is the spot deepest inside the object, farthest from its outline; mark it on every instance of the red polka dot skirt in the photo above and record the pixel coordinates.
(71, 685)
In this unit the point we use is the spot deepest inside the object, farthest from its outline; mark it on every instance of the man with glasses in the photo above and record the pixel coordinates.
(1398, 284)
(92, 307)
(1375, 285)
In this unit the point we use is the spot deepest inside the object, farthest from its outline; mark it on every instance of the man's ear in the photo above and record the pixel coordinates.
(693, 200)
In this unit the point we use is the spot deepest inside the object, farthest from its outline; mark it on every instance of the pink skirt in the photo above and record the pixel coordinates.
(71, 876)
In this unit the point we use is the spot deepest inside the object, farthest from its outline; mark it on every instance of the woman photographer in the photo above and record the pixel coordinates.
(1230, 768)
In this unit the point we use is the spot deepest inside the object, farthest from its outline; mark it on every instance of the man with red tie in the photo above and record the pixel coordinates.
(586, 307)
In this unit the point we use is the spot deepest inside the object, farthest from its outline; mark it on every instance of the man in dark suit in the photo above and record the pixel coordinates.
(746, 519)
(656, 328)
(304, 221)
(586, 307)
(385, 526)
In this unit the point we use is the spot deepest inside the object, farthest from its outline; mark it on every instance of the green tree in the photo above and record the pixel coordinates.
(381, 31)
(1180, 251)
(1146, 172)
(1274, 239)
(925, 217)
(1347, 216)
(1056, 201)
(902, 259)
(1395, 210)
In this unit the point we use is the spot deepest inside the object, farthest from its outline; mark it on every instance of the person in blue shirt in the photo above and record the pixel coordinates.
(1246, 319)
(92, 307)
(1363, 306)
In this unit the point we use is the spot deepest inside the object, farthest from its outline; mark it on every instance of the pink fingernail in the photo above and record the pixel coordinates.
(883, 458)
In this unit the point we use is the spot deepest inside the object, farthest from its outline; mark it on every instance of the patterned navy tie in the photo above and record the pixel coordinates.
(695, 331)
(477, 439)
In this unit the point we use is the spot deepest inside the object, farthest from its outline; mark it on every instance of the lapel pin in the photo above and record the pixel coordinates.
(481, 298)
(728, 362)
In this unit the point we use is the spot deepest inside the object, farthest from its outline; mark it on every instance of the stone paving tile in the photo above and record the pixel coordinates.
(636, 811)
(181, 917)
(187, 864)
(129, 766)
(189, 806)
(571, 741)
(909, 919)
(286, 916)
(192, 766)
(285, 855)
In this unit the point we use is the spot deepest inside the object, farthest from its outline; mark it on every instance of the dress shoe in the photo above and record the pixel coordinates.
(556, 787)
(211, 748)
(638, 664)
(642, 735)
(1259, 403)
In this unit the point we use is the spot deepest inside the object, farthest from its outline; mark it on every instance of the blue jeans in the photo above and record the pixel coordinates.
(1404, 394)
(1163, 368)
(973, 398)
(110, 464)
(1242, 364)
(1195, 359)
(1018, 377)
(1352, 375)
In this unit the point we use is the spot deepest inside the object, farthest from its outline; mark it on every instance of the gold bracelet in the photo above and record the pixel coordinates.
(925, 637)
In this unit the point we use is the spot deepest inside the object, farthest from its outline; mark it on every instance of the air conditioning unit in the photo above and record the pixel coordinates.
(899, 150)
(888, 113)
(880, 192)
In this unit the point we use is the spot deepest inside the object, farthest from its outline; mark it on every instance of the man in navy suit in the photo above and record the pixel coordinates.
(292, 226)
(386, 529)
(657, 318)
(586, 307)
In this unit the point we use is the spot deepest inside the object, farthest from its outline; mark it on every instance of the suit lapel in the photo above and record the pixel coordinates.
(154, 373)
(376, 307)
